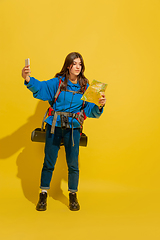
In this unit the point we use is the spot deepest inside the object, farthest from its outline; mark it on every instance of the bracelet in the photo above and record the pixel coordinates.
(102, 106)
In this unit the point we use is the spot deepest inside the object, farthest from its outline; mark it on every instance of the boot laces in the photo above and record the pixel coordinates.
(43, 197)
(73, 198)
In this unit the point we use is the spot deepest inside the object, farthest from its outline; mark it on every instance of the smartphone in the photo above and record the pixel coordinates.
(27, 62)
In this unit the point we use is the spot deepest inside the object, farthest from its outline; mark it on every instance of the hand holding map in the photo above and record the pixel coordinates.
(94, 92)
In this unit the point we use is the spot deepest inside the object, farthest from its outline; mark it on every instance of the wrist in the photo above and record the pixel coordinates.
(101, 106)
(27, 79)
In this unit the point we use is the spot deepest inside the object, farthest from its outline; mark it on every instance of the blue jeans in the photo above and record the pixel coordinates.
(52, 147)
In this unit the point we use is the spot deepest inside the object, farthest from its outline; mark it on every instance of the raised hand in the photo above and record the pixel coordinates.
(26, 73)
(102, 100)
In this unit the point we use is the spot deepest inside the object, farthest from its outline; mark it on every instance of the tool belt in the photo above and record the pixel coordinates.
(64, 118)
(39, 134)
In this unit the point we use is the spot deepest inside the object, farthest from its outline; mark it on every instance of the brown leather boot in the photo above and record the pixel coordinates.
(42, 203)
(73, 202)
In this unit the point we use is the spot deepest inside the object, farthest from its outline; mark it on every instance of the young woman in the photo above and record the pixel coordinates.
(66, 116)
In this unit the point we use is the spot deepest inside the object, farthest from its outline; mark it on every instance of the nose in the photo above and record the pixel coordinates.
(78, 66)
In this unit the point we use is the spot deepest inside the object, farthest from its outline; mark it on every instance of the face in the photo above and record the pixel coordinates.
(76, 67)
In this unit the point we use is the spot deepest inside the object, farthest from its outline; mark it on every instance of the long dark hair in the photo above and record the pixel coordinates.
(65, 71)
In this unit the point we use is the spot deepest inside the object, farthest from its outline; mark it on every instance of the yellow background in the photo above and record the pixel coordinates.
(119, 189)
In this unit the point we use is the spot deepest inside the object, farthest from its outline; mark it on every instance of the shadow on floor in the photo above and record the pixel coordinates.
(30, 160)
